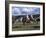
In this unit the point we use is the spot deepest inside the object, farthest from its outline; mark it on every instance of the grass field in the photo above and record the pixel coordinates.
(18, 26)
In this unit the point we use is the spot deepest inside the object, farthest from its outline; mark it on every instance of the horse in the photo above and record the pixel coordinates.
(30, 19)
(25, 20)
(34, 18)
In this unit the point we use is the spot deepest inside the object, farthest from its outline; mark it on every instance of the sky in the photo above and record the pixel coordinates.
(16, 11)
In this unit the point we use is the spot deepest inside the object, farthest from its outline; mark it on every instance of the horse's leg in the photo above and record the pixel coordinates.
(23, 23)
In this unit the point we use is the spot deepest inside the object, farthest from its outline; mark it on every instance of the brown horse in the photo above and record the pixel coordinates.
(25, 20)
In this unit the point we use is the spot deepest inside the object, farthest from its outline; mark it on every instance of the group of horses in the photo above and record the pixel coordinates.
(30, 19)
(27, 19)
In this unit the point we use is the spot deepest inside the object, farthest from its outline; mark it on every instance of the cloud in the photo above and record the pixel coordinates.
(25, 11)
(16, 11)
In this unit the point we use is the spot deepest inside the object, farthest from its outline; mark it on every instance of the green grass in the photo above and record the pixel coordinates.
(28, 26)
